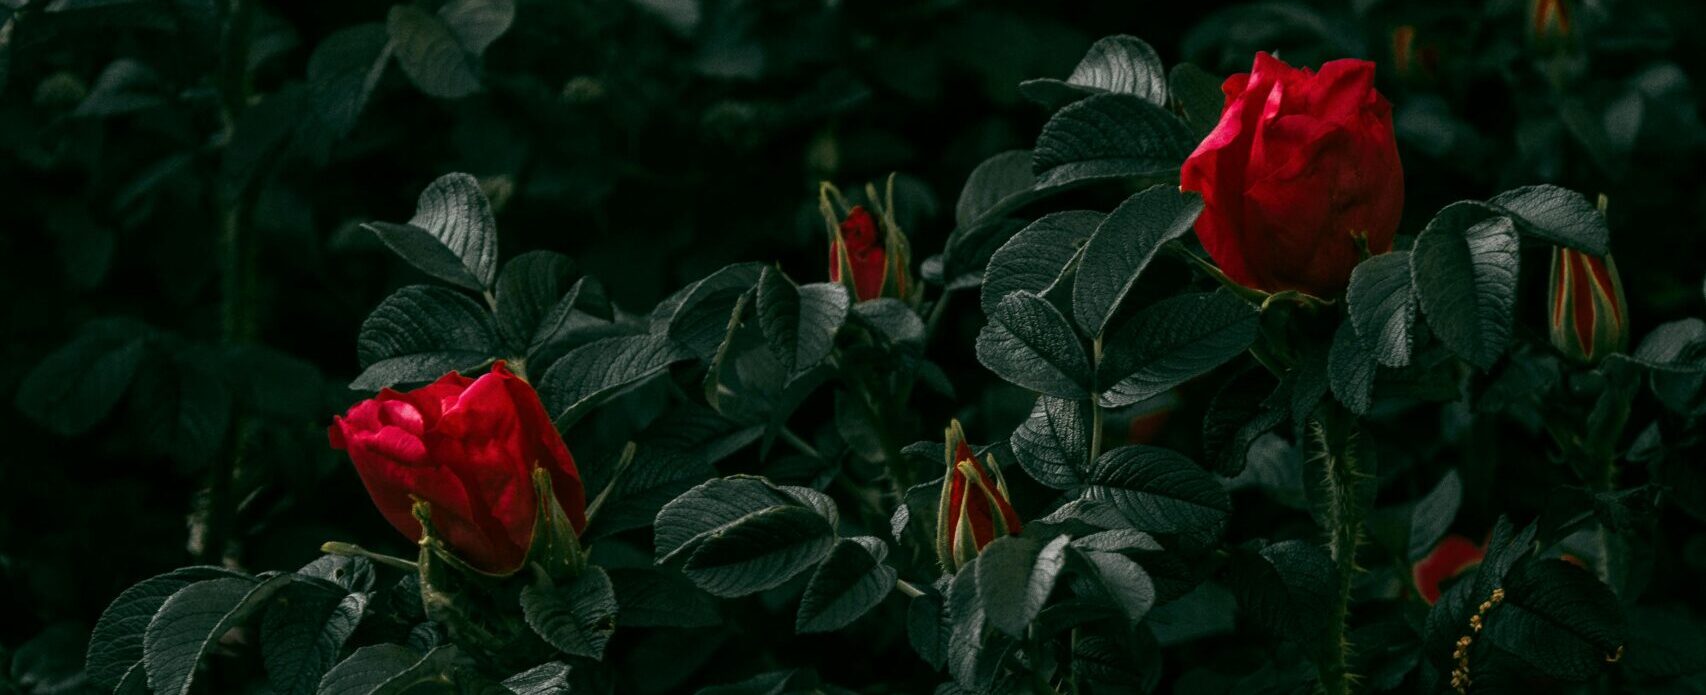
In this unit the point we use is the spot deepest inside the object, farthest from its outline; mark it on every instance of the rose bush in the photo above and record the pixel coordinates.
(1246, 460)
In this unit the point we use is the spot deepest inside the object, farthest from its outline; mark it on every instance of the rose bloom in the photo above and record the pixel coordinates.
(1301, 165)
(467, 447)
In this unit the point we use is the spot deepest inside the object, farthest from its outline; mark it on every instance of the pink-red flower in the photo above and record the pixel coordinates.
(1300, 175)
(975, 508)
(468, 448)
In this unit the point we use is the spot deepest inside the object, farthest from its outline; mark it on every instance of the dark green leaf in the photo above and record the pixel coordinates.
(302, 633)
(851, 581)
(1173, 341)
(927, 629)
(1237, 415)
(1029, 343)
(530, 289)
(1053, 444)
(1465, 270)
(701, 319)
(994, 188)
(1015, 577)
(419, 333)
(1123, 245)
(430, 53)
(1433, 514)
(116, 642)
(577, 618)
(342, 73)
(1557, 619)
(1109, 136)
(1159, 491)
(1034, 259)
(760, 551)
(193, 619)
(1287, 589)
(660, 598)
(591, 373)
(893, 320)
(1351, 368)
(75, 387)
(545, 679)
(1119, 64)
(1198, 97)
(1383, 306)
(712, 505)
(477, 23)
(799, 323)
(368, 668)
(1116, 578)
(1558, 215)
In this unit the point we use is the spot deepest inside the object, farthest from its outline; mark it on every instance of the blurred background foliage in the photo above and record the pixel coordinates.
(184, 275)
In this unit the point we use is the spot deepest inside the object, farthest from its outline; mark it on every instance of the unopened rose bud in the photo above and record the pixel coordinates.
(1589, 318)
(975, 508)
(1549, 20)
(867, 251)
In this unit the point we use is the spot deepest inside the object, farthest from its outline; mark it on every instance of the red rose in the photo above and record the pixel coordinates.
(1300, 166)
(1450, 559)
(974, 508)
(467, 447)
(865, 255)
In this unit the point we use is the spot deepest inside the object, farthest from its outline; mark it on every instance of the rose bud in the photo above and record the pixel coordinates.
(1589, 318)
(1548, 21)
(1298, 177)
(867, 251)
(468, 449)
(975, 507)
(1449, 560)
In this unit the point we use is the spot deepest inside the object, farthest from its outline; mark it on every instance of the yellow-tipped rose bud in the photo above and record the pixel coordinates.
(867, 251)
(1589, 318)
(975, 508)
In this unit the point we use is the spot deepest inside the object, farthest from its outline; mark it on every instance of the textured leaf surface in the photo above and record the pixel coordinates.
(577, 618)
(761, 551)
(1053, 444)
(587, 375)
(1029, 343)
(115, 645)
(850, 582)
(1465, 270)
(1433, 514)
(302, 633)
(1351, 369)
(1120, 64)
(421, 332)
(192, 620)
(1108, 136)
(1383, 306)
(1122, 247)
(1159, 491)
(1034, 259)
(1558, 215)
(1173, 341)
(800, 323)
(1015, 577)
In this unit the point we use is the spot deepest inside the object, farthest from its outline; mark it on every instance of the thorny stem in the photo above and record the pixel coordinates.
(353, 550)
(238, 257)
(1337, 439)
(1096, 405)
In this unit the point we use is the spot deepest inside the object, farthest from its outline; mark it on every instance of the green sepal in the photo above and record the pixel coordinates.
(556, 547)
